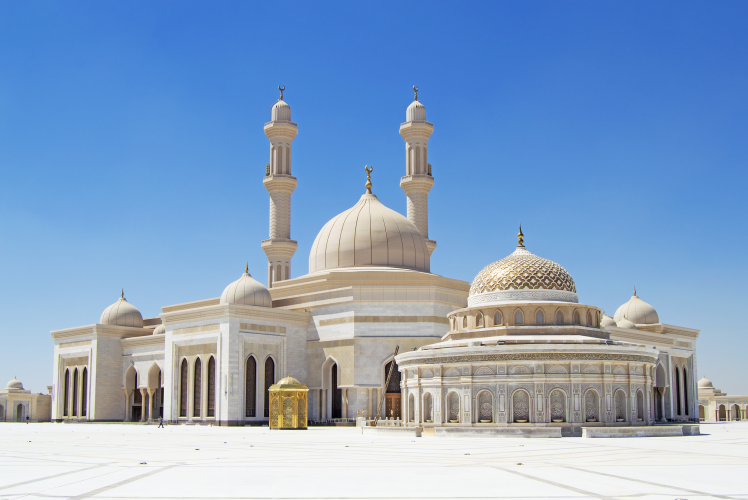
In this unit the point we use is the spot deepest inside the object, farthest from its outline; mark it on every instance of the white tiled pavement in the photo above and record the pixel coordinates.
(118, 461)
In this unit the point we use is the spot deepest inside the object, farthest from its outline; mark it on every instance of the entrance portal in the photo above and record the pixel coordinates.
(337, 394)
(392, 402)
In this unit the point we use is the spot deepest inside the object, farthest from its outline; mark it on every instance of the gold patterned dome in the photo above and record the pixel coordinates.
(522, 276)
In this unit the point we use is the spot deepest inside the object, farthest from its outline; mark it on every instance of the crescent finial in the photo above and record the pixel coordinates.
(281, 88)
(369, 169)
(415, 90)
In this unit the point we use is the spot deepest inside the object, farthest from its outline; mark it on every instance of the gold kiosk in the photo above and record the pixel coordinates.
(288, 404)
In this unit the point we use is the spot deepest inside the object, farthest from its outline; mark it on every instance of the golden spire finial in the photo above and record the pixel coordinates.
(368, 169)
(415, 89)
(281, 88)
(520, 237)
(634, 291)
(246, 268)
(122, 295)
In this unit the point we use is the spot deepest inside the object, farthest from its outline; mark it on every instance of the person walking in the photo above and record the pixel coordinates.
(27, 420)
(160, 423)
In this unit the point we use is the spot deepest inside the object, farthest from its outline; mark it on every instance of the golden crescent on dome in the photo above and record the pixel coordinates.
(415, 89)
(281, 88)
(369, 169)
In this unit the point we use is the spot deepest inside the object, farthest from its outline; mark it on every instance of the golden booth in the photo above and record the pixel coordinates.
(288, 404)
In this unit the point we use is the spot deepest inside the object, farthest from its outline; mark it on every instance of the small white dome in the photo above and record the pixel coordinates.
(369, 234)
(159, 330)
(247, 291)
(122, 313)
(624, 323)
(14, 384)
(637, 311)
(705, 383)
(416, 112)
(280, 112)
(607, 321)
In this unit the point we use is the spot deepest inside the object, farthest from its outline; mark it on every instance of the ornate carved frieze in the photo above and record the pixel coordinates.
(531, 356)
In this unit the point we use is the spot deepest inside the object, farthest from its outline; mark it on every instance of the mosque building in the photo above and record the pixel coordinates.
(515, 347)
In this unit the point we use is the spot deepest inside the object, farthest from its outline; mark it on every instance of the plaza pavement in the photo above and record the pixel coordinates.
(121, 461)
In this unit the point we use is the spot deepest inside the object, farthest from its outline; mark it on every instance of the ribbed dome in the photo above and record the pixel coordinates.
(369, 234)
(14, 384)
(607, 321)
(522, 276)
(122, 313)
(637, 311)
(705, 383)
(159, 330)
(416, 112)
(280, 112)
(247, 291)
(624, 323)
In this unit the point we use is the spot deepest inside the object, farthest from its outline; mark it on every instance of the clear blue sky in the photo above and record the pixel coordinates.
(132, 150)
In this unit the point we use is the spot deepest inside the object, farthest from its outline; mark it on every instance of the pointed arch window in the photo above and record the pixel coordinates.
(479, 320)
(269, 380)
(66, 403)
(197, 392)
(183, 390)
(539, 318)
(251, 387)
(84, 391)
(576, 317)
(75, 392)
(464, 321)
(685, 390)
(559, 318)
(212, 387)
(518, 318)
(589, 319)
(497, 318)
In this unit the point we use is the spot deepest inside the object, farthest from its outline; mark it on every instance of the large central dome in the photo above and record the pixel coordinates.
(522, 276)
(369, 234)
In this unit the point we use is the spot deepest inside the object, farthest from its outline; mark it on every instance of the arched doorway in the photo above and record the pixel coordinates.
(722, 413)
(557, 402)
(591, 406)
(336, 394)
(250, 387)
(19, 413)
(427, 408)
(520, 406)
(702, 413)
(269, 380)
(485, 407)
(735, 412)
(620, 406)
(639, 406)
(411, 408)
(84, 391)
(2, 412)
(392, 401)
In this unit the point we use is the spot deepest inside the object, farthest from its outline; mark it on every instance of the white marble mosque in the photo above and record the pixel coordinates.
(514, 348)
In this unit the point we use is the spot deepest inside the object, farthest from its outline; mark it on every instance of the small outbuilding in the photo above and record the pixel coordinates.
(288, 404)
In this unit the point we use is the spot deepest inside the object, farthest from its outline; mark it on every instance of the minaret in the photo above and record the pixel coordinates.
(418, 179)
(280, 184)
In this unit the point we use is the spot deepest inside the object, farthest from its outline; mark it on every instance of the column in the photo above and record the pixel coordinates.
(151, 393)
(662, 391)
(324, 404)
(144, 399)
(128, 412)
(345, 402)
(368, 406)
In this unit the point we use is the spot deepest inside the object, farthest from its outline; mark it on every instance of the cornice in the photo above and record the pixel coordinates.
(147, 341)
(98, 330)
(227, 312)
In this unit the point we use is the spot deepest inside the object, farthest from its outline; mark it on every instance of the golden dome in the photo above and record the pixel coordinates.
(522, 276)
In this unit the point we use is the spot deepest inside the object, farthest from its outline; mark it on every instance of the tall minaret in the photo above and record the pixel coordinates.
(418, 179)
(280, 184)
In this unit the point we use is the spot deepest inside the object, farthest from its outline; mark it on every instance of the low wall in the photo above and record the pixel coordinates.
(392, 431)
(504, 432)
(640, 431)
